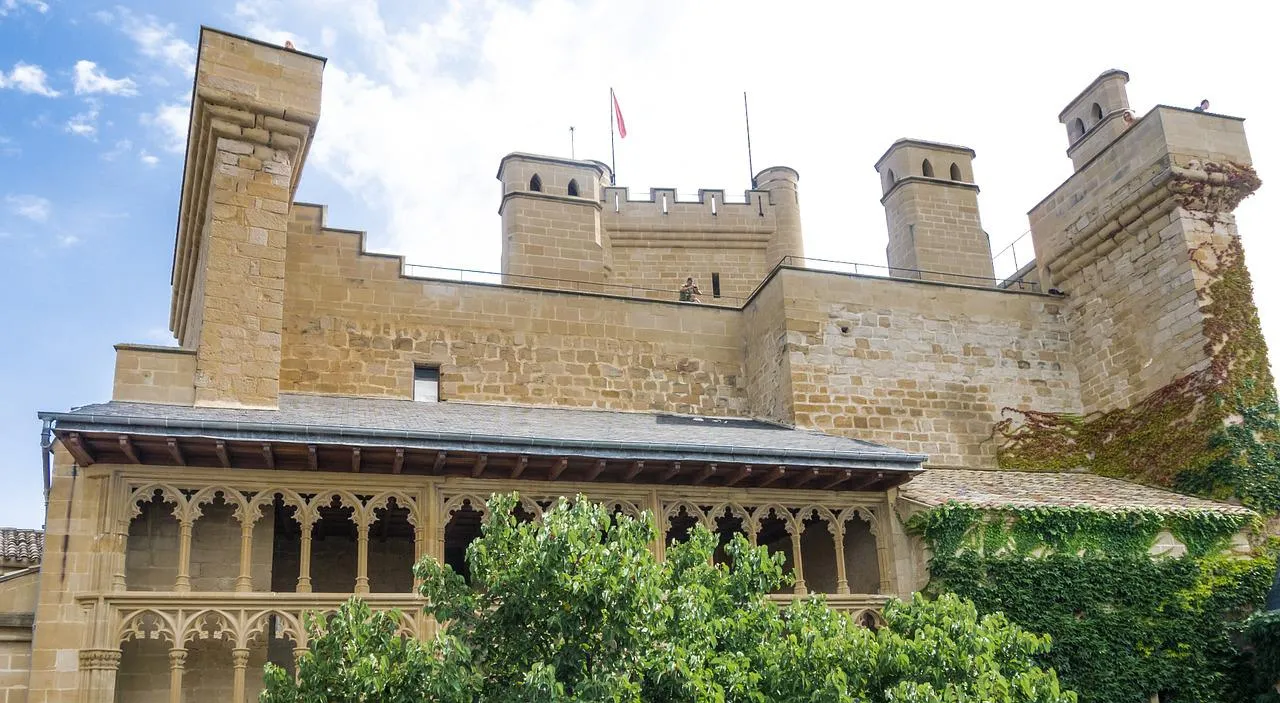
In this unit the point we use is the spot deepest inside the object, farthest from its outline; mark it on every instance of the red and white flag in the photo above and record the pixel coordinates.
(617, 111)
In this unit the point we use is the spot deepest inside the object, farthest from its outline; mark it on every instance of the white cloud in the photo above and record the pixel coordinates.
(85, 124)
(121, 147)
(90, 81)
(8, 147)
(66, 240)
(154, 39)
(171, 120)
(13, 6)
(147, 158)
(28, 78)
(32, 207)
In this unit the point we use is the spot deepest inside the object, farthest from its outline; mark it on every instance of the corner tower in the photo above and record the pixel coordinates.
(551, 221)
(1095, 117)
(931, 208)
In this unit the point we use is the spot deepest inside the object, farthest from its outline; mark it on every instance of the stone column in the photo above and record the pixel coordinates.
(800, 588)
(244, 582)
(842, 578)
(239, 661)
(183, 583)
(362, 558)
(98, 680)
(304, 559)
(297, 661)
(177, 662)
(419, 550)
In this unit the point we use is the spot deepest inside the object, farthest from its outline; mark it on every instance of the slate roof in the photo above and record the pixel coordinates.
(998, 489)
(481, 427)
(24, 547)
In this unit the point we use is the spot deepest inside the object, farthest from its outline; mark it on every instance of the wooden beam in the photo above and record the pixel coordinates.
(804, 478)
(704, 474)
(522, 462)
(477, 468)
(670, 473)
(126, 446)
(398, 465)
(355, 460)
(561, 464)
(865, 481)
(743, 472)
(837, 480)
(79, 450)
(269, 455)
(595, 470)
(312, 463)
(175, 452)
(438, 466)
(220, 448)
(777, 473)
(636, 468)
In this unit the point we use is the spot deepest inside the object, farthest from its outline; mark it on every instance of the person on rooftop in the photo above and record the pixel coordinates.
(689, 291)
(1203, 106)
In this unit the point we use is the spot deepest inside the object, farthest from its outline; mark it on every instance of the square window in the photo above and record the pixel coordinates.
(426, 384)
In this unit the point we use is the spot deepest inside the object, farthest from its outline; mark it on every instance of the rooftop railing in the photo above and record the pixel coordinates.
(1010, 260)
(897, 272)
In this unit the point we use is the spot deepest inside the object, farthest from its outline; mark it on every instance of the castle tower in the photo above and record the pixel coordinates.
(1095, 117)
(551, 221)
(931, 207)
(782, 184)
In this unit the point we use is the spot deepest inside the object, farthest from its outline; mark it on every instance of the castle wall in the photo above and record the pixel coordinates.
(1116, 241)
(17, 600)
(767, 363)
(355, 326)
(922, 367)
(154, 375)
(936, 228)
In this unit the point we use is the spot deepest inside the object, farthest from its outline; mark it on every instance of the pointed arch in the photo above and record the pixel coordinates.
(148, 493)
(926, 169)
(955, 172)
(816, 512)
(535, 183)
(1077, 129)
(208, 624)
(673, 510)
(291, 627)
(287, 497)
(462, 500)
(573, 187)
(146, 624)
(775, 510)
(346, 499)
(1096, 112)
(402, 499)
(209, 494)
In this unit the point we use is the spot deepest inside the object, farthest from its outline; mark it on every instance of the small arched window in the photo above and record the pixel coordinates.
(1096, 111)
(889, 179)
(573, 187)
(927, 169)
(535, 183)
(1077, 129)
(955, 172)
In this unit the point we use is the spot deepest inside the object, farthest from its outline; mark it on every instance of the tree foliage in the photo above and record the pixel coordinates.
(577, 608)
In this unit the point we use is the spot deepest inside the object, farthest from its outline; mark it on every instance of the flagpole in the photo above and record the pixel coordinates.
(573, 152)
(750, 164)
(613, 154)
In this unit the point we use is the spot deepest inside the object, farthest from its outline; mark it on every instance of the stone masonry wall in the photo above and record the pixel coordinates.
(355, 326)
(154, 375)
(922, 367)
(664, 269)
(17, 596)
(938, 222)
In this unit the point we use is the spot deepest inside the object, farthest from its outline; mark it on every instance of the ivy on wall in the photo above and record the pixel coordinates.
(1214, 432)
(1124, 625)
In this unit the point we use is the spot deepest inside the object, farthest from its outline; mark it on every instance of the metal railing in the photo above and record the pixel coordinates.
(881, 271)
(512, 279)
(1010, 260)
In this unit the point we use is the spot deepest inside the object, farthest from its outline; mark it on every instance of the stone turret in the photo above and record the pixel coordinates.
(1096, 116)
(931, 208)
(551, 220)
(254, 112)
(782, 184)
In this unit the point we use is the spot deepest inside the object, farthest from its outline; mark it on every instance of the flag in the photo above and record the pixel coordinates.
(622, 126)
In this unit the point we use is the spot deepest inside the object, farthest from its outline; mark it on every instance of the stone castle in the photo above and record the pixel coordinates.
(331, 415)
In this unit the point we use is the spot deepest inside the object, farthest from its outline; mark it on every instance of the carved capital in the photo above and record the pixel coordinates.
(99, 659)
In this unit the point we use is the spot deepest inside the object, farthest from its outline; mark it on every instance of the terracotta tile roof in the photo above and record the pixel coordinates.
(998, 489)
(24, 547)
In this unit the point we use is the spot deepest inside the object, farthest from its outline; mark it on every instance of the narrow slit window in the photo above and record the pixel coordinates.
(715, 285)
(426, 384)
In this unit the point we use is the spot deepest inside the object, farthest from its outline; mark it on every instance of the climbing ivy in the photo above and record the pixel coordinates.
(1123, 624)
(1213, 432)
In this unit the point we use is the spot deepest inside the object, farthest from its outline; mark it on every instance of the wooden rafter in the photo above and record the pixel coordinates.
(738, 476)
(438, 466)
(561, 464)
(477, 469)
(355, 460)
(837, 480)
(804, 478)
(78, 448)
(670, 473)
(126, 446)
(777, 473)
(220, 448)
(269, 455)
(633, 471)
(397, 464)
(866, 481)
(595, 470)
(312, 462)
(704, 474)
(175, 451)
(521, 463)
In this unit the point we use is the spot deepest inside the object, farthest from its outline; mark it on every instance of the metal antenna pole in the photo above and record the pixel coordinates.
(613, 153)
(750, 164)
(573, 153)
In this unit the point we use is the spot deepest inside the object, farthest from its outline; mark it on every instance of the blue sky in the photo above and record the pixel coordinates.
(423, 98)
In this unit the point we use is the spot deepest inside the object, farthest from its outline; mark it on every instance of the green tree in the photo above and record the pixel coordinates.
(576, 608)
